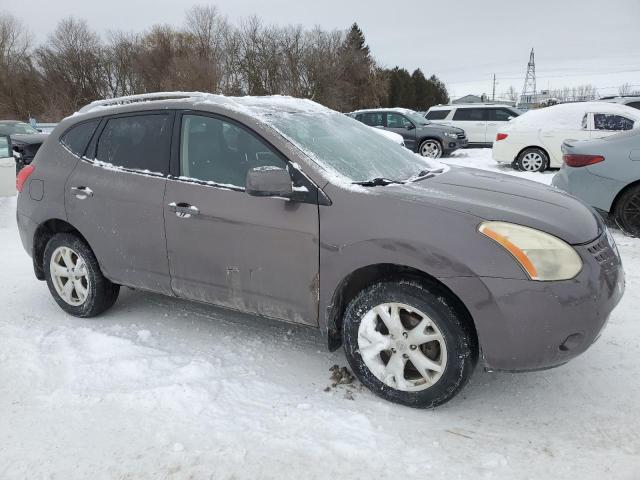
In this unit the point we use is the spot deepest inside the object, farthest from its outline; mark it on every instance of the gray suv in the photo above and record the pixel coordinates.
(420, 135)
(285, 209)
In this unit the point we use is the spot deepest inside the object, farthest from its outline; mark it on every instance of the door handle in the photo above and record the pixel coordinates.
(481, 124)
(492, 124)
(82, 192)
(184, 210)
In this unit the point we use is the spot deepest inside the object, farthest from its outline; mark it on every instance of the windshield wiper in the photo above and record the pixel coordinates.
(377, 182)
(421, 175)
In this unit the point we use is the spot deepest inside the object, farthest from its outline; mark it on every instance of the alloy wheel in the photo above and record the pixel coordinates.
(402, 347)
(69, 275)
(631, 215)
(431, 149)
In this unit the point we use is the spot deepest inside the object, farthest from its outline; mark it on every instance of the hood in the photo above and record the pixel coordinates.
(28, 138)
(495, 196)
(439, 128)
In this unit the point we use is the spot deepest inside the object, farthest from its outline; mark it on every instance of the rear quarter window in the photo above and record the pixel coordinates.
(437, 114)
(77, 137)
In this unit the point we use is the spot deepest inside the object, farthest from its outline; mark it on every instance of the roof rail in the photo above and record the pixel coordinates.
(144, 97)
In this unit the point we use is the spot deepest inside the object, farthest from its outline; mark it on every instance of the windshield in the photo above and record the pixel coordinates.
(348, 147)
(16, 128)
(416, 118)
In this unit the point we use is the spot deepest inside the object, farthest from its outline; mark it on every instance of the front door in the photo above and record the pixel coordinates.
(116, 199)
(401, 125)
(253, 254)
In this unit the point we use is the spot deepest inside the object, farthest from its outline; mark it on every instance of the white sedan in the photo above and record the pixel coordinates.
(532, 141)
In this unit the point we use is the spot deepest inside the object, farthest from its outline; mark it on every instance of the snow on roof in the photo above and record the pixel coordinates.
(249, 105)
(386, 109)
(569, 115)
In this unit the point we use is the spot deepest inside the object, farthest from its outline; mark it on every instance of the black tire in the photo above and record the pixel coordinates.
(435, 143)
(627, 211)
(523, 163)
(102, 293)
(460, 341)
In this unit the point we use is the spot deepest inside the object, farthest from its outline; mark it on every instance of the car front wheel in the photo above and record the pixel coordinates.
(74, 277)
(430, 148)
(407, 344)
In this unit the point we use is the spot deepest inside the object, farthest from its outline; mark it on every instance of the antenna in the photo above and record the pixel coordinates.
(529, 90)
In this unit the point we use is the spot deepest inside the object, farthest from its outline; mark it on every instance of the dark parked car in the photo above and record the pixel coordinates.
(25, 140)
(285, 209)
(605, 173)
(420, 135)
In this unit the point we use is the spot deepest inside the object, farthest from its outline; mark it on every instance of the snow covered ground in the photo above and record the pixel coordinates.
(161, 388)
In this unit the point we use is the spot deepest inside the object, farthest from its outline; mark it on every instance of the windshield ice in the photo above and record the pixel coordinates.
(347, 146)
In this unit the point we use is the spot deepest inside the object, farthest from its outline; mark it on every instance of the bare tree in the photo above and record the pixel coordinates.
(624, 89)
(512, 94)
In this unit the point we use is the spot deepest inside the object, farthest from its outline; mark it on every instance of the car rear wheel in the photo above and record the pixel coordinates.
(532, 160)
(74, 278)
(407, 344)
(430, 148)
(627, 211)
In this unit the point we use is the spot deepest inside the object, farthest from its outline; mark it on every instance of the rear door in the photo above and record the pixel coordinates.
(496, 118)
(553, 136)
(115, 199)
(473, 121)
(401, 125)
(253, 254)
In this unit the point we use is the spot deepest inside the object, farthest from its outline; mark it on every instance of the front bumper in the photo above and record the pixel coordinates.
(452, 144)
(527, 325)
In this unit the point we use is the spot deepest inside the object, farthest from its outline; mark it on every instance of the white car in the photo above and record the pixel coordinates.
(533, 141)
(394, 137)
(480, 121)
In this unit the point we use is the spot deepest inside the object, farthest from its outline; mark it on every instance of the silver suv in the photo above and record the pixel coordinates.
(285, 209)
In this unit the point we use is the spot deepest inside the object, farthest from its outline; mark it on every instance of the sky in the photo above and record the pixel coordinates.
(463, 42)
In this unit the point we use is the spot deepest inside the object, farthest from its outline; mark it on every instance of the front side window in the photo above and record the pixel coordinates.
(469, 114)
(395, 120)
(77, 137)
(605, 121)
(437, 114)
(634, 105)
(138, 142)
(499, 115)
(213, 150)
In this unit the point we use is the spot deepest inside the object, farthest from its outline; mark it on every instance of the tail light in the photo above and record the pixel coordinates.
(23, 175)
(501, 136)
(574, 160)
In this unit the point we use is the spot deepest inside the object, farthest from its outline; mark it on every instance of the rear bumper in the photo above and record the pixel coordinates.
(525, 325)
(504, 152)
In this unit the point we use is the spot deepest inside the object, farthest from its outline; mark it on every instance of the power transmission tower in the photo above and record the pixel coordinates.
(529, 90)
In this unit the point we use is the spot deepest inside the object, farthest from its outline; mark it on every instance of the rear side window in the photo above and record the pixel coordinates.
(634, 105)
(469, 114)
(373, 119)
(605, 121)
(140, 142)
(77, 137)
(437, 114)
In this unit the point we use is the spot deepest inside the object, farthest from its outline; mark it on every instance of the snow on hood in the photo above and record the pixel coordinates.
(568, 115)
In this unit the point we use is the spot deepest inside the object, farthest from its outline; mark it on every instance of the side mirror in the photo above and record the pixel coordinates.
(509, 118)
(410, 126)
(269, 182)
(6, 150)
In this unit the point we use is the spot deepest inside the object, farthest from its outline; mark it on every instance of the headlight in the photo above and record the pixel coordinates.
(542, 256)
(450, 135)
